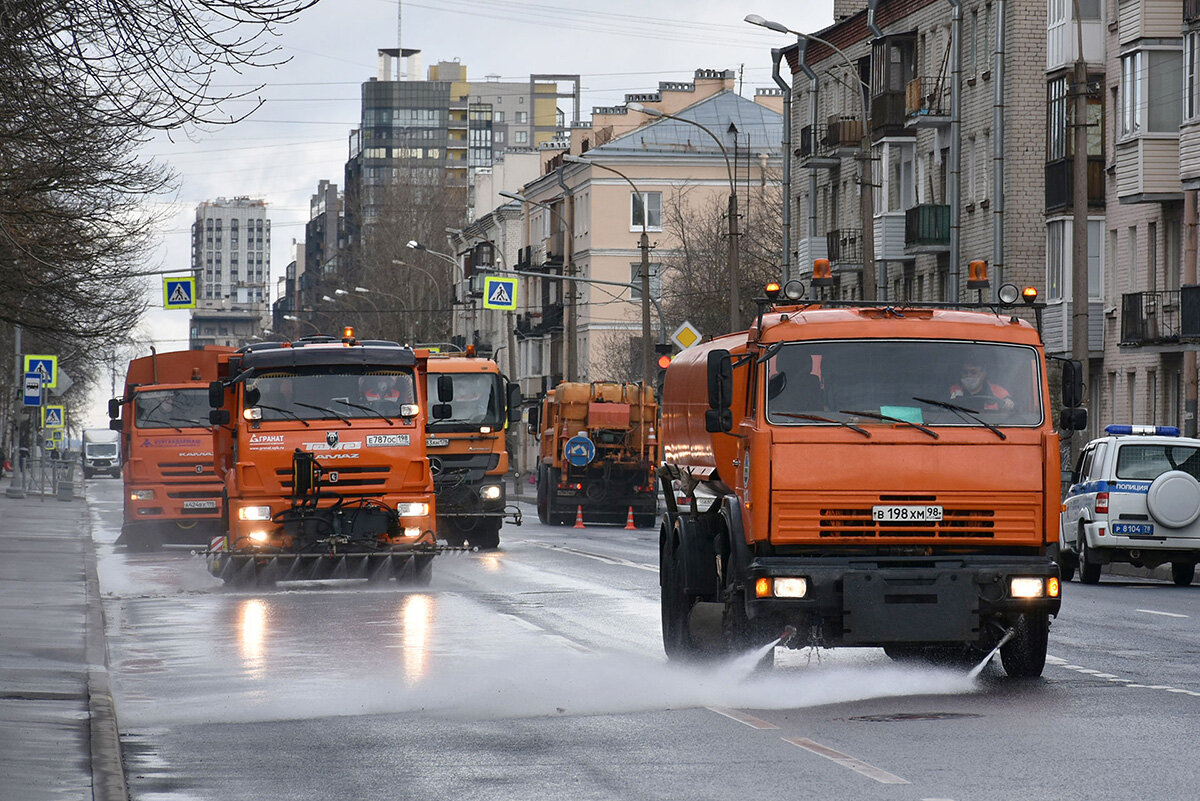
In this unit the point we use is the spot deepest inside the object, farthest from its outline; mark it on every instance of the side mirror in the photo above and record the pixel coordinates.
(253, 395)
(114, 425)
(535, 416)
(219, 417)
(441, 411)
(1072, 419)
(720, 380)
(216, 394)
(718, 421)
(514, 402)
(445, 388)
(114, 408)
(1072, 384)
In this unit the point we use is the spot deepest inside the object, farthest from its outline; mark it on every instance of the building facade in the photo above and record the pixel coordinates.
(231, 259)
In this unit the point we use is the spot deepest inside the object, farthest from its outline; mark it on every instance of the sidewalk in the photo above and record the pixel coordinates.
(58, 729)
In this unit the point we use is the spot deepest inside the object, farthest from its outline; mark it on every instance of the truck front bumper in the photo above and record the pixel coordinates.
(879, 601)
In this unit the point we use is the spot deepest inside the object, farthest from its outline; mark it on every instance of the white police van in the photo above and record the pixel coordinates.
(1134, 498)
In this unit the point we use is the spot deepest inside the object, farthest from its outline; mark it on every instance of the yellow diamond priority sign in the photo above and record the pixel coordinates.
(686, 335)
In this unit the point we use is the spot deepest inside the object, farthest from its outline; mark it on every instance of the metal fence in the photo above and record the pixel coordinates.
(44, 476)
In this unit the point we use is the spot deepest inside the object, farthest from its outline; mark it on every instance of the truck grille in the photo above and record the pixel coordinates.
(360, 477)
(193, 495)
(1012, 517)
(187, 470)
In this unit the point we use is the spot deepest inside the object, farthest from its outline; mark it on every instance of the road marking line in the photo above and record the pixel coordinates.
(522, 622)
(612, 560)
(1164, 614)
(742, 717)
(570, 643)
(857, 765)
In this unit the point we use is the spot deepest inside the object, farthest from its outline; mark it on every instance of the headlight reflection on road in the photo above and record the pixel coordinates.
(490, 563)
(252, 636)
(416, 617)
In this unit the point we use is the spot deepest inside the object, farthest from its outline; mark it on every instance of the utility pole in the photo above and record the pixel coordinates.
(1189, 277)
(647, 350)
(866, 210)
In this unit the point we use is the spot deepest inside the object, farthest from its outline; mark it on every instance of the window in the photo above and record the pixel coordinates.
(1151, 91)
(498, 137)
(1059, 243)
(635, 281)
(522, 118)
(521, 137)
(1131, 106)
(648, 207)
(1132, 254)
(498, 116)
(971, 170)
(1191, 76)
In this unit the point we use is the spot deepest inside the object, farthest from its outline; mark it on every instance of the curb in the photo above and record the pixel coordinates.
(108, 769)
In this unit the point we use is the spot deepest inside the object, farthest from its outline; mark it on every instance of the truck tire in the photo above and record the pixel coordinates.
(449, 531)
(644, 519)
(1024, 656)
(1066, 564)
(543, 498)
(742, 636)
(676, 605)
(486, 535)
(1182, 573)
(1089, 571)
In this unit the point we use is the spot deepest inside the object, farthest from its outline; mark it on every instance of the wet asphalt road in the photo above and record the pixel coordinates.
(536, 672)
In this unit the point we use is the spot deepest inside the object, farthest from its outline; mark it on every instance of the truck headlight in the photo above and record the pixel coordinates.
(253, 413)
(412, 509)
(1027, 587)
(254, 513)
(258, 537)
(141, 495)
(489, 493)
(412, 531)
(409, 410)
(781, 587)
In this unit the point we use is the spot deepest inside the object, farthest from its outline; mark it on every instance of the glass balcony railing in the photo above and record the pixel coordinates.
(927, 227)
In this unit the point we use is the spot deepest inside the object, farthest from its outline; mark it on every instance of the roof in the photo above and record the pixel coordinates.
(758, 128)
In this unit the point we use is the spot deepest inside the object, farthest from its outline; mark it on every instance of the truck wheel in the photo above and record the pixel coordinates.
(676, 606)
(486, 535)
(449, 531)
(644, 519)
(1024, 656)
(1182, 573)
(745, 637)
(543, 499)
(1089, 571)
(1066, 566)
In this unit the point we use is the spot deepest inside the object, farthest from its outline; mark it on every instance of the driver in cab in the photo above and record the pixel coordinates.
(973, 385)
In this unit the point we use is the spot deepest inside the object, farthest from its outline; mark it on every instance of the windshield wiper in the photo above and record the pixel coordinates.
(820, 419)
(341, 417)
(367, 409)
(963, 412)
(890, 419)
(191, 423)
(284, 411)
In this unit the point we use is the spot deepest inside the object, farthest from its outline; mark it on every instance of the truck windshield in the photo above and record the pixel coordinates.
(915, 381)
(478, 401)
(101, 449)
(172, 408)
(336, 392)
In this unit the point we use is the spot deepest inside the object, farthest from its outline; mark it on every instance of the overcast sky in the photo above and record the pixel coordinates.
(299, 135)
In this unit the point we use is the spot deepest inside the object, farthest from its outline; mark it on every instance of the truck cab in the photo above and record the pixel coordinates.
(320, 447)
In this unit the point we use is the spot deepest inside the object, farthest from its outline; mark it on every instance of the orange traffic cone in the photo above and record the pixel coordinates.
(579, 517)
(629, 526)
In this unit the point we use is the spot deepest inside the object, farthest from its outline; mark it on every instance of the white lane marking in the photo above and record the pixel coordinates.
(1132, 685)
(1164, 614)
(742, 717)
(570, 643)
(857, 765)
(612, 560)
(522, 622)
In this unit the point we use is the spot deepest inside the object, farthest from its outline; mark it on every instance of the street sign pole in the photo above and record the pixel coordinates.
(16, 489)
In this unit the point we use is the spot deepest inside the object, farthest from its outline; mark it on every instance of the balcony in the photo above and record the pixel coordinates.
(539, 324)
(927, 103)
(1191, 10)
(813, 152)
(927, 228)
(1056, 327)
(1060, 183)
(843, 134)
(1150, 318)
(888, 115)
(844, 246)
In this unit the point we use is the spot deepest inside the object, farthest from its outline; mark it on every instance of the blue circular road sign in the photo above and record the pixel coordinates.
(579, 451)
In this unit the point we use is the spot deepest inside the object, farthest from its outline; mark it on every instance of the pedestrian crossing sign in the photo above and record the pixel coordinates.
(179, 293)
(53, 416)
(46, 367)
(500, 293)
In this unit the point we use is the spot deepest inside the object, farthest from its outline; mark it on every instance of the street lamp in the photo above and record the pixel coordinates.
(644, 245)
(866, 193)
(432, 279)
(293, 318)
(733, 256)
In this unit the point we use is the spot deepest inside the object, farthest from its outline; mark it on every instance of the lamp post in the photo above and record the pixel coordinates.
(644, 246)
(293, 318)
(733, 255)
(866, 192)
(415, 245)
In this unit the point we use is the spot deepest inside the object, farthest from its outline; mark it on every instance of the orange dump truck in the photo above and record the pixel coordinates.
(598, 448)
(467, 449)
(848, 472)
(320, 445)
(171, 493)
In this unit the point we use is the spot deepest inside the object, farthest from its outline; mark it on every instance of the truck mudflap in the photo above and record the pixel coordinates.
(409, 563)
(910, 600)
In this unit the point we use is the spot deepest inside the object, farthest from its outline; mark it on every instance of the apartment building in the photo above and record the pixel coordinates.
(231, 259)
(892, 62)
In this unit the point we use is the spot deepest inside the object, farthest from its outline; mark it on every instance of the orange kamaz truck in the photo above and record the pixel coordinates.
(171, 493)
(467, 450)
(598, 449)
(320, 447)
(870, 476)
